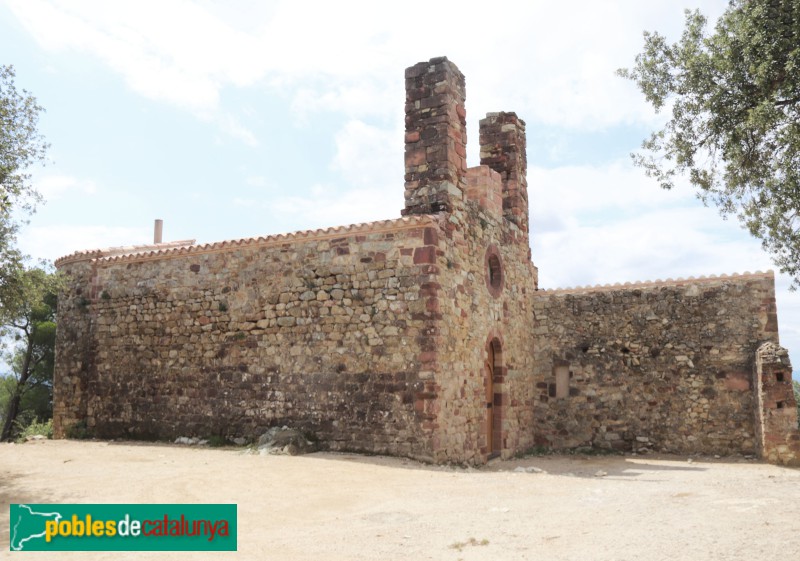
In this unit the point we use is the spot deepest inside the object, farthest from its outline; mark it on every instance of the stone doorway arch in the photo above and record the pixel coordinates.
(493, 373)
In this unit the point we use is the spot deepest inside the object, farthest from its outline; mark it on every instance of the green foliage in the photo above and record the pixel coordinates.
(734, 98)
(35, 402)
(11, 260)
(27, 296)
(44, 428)
(27, 335)
(21, 145)
(796, 388)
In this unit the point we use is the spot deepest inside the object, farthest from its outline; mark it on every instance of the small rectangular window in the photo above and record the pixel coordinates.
(562, 381)
(779, 376)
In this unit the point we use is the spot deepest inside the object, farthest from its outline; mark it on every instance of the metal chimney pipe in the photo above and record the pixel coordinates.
(158, 230)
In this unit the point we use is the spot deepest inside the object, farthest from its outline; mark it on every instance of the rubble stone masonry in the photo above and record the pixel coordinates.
(326, 331)
(660, 366)
(426, 336)
(777, 432)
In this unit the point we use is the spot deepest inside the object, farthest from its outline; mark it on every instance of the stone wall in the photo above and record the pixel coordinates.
(326, 331)
(487, 313)
(424, 336)
(485, 273)
(777, 433)
(75, 349)
(393, 337)
(665, 366)
(476, 316)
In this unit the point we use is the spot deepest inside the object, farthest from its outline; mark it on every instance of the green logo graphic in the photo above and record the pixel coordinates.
(123, 527)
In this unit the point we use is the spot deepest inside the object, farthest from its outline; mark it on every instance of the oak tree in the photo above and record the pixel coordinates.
(733, 97)
(27, 295)
(21, 145)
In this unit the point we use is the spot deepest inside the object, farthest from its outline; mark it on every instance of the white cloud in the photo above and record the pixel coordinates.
(788, 312)
(136, 40)
(550, 62)
(582, 190)
(606, 224)
(329, 207)
(655, 244)
(356, 98)
(370, 162)
(245, 202)
(367, 155)
(57, 240)
(255, 181)
(230, 125)
(175, 52)
(55, 186)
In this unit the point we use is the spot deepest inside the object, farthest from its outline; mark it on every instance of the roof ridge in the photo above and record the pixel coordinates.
(173, 249)
(680, 281)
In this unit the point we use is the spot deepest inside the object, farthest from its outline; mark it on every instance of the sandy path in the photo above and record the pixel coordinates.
(333, 506)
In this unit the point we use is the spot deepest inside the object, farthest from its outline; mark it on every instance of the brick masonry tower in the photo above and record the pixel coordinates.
(436, 137)
(502, 138)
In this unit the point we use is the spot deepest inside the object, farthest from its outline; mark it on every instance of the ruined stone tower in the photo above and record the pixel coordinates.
(436, 137)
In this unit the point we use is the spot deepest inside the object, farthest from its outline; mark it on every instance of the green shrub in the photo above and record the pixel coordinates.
(44, 428)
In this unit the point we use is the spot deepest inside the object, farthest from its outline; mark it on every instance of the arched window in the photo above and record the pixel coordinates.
(495, 277)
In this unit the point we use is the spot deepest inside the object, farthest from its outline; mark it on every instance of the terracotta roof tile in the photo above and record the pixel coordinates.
(175, 249)
(680, 281)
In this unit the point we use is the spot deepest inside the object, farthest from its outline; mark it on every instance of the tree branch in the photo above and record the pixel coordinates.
(792, 101)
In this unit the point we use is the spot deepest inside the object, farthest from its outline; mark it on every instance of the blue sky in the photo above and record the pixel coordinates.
(233, 119)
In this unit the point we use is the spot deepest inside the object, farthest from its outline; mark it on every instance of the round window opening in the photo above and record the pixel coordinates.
(494, 272)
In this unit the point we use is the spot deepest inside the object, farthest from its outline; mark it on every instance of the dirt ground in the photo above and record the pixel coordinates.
(347, 507)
